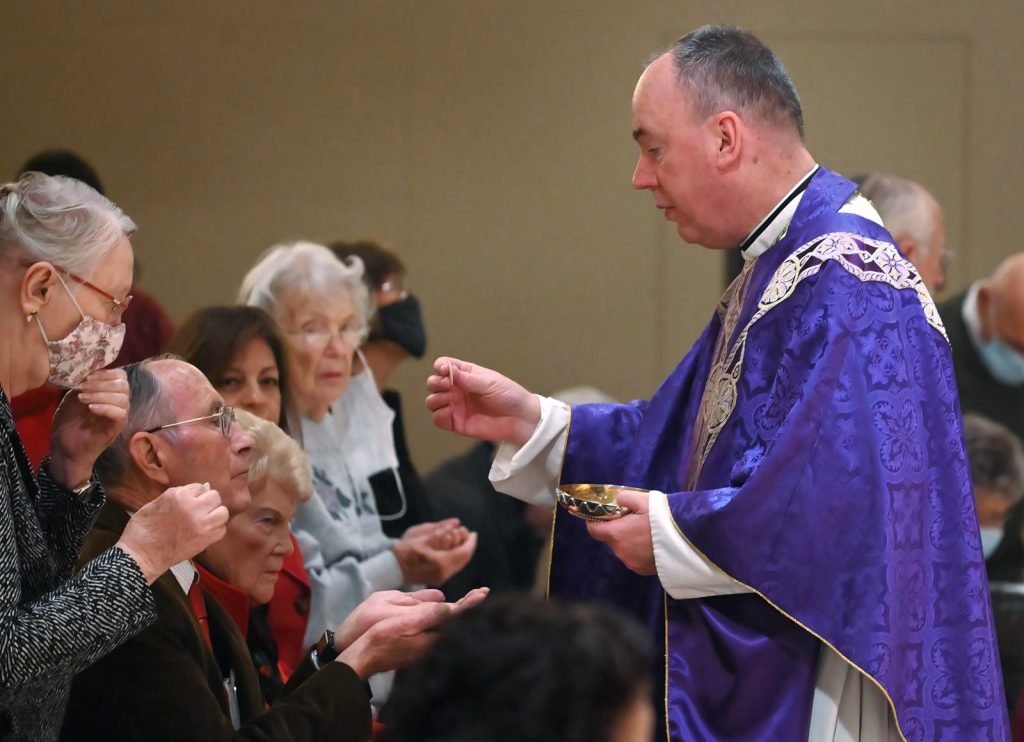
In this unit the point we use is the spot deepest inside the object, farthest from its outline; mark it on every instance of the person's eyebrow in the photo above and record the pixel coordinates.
(637, 133)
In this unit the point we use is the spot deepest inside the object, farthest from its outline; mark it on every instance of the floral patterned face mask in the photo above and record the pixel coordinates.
(91, 345)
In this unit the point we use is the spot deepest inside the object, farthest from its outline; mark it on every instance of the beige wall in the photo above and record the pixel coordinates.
(489, 142)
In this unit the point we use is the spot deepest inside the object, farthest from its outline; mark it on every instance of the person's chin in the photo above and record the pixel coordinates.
(241, 498)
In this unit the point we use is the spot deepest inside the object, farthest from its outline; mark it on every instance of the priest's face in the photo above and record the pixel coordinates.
(677, 159)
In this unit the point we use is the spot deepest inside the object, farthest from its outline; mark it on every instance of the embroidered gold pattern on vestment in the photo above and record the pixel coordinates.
(863, 257)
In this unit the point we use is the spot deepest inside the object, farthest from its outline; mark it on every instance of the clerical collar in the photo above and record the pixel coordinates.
(773, 226)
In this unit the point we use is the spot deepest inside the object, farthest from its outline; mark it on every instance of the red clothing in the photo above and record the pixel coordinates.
(234, 600)
(33, 416)
(198, 605)
(289, 612)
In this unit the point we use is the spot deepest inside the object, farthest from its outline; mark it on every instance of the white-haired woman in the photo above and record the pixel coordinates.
(242, 569)
(323, 309)
(65, 275)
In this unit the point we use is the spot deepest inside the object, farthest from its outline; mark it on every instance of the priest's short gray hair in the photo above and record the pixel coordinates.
(61, 221)
(308, 268)
(728, 68)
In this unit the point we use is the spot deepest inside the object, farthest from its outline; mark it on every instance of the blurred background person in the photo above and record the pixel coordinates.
(322, 307)
(147, 326)
(396, 333)
(915, 221)
(997, 472)
(66, 268)
(985, 327)
(240, 350)
(576, 672)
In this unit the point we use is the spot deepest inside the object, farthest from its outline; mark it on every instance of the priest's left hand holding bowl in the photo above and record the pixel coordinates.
(478, 402)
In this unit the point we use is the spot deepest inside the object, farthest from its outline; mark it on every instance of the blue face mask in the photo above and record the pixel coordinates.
(1003, 362)
(990, 538)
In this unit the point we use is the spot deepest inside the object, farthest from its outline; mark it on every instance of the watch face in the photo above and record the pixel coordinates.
(326, 642)
(85, 489)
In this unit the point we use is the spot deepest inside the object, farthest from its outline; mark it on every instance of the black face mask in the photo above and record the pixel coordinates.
(401, 323)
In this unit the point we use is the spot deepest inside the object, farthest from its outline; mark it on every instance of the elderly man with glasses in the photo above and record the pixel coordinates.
(190, 675)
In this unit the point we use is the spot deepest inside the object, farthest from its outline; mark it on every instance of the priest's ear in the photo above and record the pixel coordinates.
(727, 130)
(149, 458)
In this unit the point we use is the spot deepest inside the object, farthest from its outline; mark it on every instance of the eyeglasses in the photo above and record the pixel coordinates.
(319, 336)
(225, 415)
(118, 305)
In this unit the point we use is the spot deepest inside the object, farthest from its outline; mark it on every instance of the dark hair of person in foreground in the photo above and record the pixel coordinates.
(523, 669)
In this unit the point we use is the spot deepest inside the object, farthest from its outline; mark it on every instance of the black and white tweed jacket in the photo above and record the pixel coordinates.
(54, 621)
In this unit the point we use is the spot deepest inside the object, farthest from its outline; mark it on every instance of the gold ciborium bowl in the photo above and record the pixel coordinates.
(593, 501)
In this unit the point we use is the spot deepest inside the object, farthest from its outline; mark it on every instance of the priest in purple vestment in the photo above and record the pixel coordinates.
(803, 541)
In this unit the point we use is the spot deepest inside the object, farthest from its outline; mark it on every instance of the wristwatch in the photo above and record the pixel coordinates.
(83, 491)
(324, 651)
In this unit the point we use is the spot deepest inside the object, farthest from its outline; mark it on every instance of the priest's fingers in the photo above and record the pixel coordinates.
(629, 538)
(633, 500)
(438, 401)
(444, 419)
(442, 363)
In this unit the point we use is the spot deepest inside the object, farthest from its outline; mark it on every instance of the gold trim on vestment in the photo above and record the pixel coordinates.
(554, 510)
(668, 726)
(810, 631)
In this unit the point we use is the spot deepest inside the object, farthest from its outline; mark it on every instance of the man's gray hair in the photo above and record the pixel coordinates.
(310, 269)
(902, 204)
(996, 457)
(147, 409)
(728, 68)
(61, 221)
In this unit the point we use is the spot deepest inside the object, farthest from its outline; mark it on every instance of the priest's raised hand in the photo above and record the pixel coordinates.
(475, 401)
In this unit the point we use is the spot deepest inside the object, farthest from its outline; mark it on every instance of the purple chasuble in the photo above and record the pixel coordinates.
(811, 447)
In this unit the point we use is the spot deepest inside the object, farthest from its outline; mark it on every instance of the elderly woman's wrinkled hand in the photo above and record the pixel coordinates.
(443, 534)
(88, 420)
(425, 564)
(402, 631)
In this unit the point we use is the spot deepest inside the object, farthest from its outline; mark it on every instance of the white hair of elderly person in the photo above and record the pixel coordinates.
(322, 307)
(915, 220)
(65, 277)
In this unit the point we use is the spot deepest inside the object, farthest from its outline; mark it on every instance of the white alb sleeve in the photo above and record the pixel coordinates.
(684, 572)
(530, 472)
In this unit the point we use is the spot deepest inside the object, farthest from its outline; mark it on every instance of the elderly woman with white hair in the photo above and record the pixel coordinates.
(65, 274)
(323, 309)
